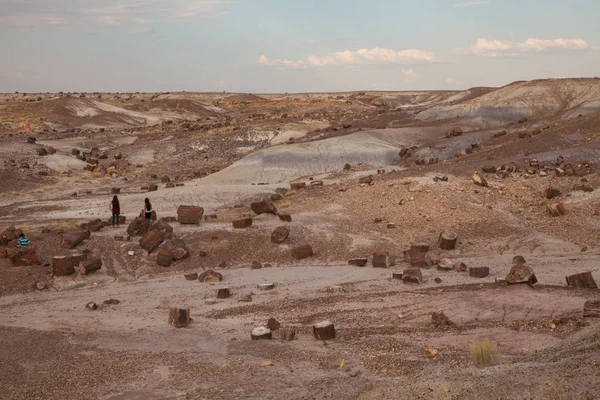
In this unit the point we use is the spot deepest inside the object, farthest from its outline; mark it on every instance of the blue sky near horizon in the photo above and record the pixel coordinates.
(292, 46)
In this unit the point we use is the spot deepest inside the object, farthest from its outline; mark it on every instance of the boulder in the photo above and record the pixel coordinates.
(440, 320)
(189, 214)
(9, 234)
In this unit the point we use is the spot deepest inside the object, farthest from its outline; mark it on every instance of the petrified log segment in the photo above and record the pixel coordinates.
(265, 286)
(263, 207)
(73, 239)
(412, 275)
(551, 193)
(164, 258)
(583, 280)
(139, 226)
(287, 334)
(324, 330)
(297, 185)
(366, 179)
(189, 214)
(164, 227)
(242, 223)
(210, 276)
(303, 251)
(91, 306)
(382, 259)
(27, 256)
(223, 293)
(152, 240)
(397, 275)
(177, 248)
(415, 257)
(447, 240)
(591, 308)
(285, 217)
(261, 332)
(521, 273)
(359, 262)
(280, 234)
(88, 266)
(191, 277)
(62, 266)
(179, 317)
(479, 272)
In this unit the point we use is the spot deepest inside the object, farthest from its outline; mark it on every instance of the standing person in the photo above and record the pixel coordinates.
(147, 209)
(23, 241)
(115, 209)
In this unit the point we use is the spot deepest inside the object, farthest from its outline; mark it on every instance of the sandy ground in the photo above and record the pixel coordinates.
(230, 149)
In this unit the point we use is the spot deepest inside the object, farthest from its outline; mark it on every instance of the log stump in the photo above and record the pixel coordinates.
(210, 276)
(189, 214)
(358, 262)
(302, 252)
(242, 223)
(591, 308)
(73, 239)
(179, 317)
(382, 259)
(62, 266)
(223, 293)
(164, 258)
(415, 257)
(152, 240)
(324, 330)
(479, 272)
(447, 240)
(583, 280)
(280, 234)
(86, 267)
(261, 333)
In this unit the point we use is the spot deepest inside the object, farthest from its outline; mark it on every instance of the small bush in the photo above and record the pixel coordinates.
(484, 354)
(39, 98)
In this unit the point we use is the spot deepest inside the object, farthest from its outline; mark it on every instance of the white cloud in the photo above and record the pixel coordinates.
(498, 48)
(471, 3)
(452, 81)
(106, 13)
(376, 55)
(359, 57)
(281, 64)
(410, 73)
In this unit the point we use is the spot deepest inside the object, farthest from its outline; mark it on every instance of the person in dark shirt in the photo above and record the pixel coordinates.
(115, 208)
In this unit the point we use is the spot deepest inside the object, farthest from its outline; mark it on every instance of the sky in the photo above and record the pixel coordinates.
(278, 46)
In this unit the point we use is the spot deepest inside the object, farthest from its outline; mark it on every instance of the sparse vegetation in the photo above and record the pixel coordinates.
(484, 354)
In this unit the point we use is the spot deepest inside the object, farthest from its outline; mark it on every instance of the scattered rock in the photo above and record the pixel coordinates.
(86, 267)
(191, 277)
(73, 239)
(382, 259)
(264, 207)
(265, 286)
(256, 265)
(440, 320)
(273, 324)
(520, 273)
(152, 188)
(366, 179)
(245, 298)
(557, 209)
(164, 258)
(111, 302)
(460, 267)
(223, 293)
(27, 256)
(445, 264)
(41, 285)
(287, 334)
(91, 306)
(479, 180)
(297, 185)
(551, 193)
(139, 226)
(285, 217)
(151, 240)
(591, 309)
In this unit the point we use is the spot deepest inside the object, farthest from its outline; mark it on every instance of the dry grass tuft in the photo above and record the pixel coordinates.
(484, 354)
